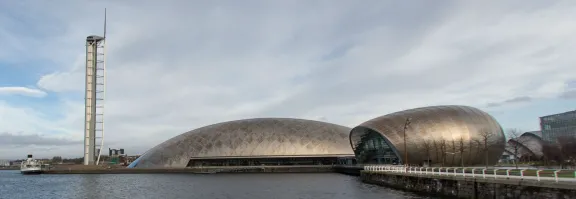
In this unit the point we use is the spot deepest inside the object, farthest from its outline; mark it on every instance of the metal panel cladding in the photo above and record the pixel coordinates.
(248, 138)
(531, 144)
(438, 135)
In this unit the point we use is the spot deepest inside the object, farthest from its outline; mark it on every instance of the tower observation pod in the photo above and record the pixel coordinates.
(95, 94)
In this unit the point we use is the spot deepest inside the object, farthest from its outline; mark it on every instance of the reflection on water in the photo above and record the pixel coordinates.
(165, 186)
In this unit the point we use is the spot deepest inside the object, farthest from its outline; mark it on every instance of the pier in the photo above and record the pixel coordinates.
(475, 183)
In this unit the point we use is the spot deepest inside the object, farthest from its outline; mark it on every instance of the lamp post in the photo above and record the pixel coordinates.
(405, 149)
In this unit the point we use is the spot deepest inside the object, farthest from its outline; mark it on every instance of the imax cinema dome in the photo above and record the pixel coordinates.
(261, 141)
(437, 136)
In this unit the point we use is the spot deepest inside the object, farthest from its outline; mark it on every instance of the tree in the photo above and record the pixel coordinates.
(453, 151)
(485, 137)
(517, 144)
(567, 145)
(552, 153)
(440, 146)
(427, 146)
(478, 144)
(56, 160)
(436, 146)
(461, 149)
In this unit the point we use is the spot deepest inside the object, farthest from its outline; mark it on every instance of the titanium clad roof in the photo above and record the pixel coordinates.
(437, 126)
(530, 143)
(250, 138)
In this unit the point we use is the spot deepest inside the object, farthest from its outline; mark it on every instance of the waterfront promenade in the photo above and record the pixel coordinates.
(555, 175)
(475, 182)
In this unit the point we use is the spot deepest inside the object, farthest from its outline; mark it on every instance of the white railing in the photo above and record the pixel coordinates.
(470, 172)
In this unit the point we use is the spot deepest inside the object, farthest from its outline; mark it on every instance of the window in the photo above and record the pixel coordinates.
(371, 148)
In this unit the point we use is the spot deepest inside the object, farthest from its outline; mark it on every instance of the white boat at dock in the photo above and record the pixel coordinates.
(31, 166)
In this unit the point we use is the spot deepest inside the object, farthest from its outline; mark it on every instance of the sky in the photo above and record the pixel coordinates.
(174, 66)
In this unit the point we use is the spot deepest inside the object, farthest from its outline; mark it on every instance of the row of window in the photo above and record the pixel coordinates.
(563, 116)
(558, 124)
(269, 161)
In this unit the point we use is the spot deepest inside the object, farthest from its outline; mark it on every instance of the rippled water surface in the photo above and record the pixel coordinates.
(168, 186)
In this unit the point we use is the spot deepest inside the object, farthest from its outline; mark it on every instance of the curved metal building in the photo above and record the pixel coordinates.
(437, 135)
(250, 142)
(529, 146)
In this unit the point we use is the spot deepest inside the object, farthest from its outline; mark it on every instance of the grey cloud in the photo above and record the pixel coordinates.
(176, 67)
(570, 94)
(8, 139)
(510, 101)
(571, 84)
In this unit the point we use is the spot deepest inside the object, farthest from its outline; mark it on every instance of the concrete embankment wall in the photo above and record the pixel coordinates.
(348, 170)
(477, 188)
(259, 169)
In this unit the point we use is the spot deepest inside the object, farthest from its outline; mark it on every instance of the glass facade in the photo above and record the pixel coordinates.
(269, 161)
(558, 125)
(372, 148)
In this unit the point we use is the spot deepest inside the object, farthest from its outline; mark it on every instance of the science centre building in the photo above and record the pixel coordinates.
(435, 135)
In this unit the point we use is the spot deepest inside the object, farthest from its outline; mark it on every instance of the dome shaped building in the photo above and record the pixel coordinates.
(261, 141)
(436, 136)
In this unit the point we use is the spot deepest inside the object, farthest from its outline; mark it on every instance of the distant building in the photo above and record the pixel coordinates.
(4, 163)
(16, 163)
(558, 125)
(526, 147)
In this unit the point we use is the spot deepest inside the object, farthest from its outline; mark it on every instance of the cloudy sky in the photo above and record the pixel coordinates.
(174, 66)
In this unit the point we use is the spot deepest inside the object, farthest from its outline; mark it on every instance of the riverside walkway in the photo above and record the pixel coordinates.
(462, 182)
(550, 175)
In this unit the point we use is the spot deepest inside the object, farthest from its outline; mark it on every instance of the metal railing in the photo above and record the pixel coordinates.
(471, 172)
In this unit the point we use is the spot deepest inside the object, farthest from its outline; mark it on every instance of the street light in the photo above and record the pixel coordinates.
(405, 150)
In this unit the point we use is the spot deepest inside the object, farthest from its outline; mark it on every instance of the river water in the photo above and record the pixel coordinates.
(217, 186)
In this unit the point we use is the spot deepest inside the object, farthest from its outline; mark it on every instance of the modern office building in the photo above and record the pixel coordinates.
(558, 125)
(438, 136)
(262, 141)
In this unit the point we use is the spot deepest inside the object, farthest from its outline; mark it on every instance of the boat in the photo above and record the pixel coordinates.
(31, 166)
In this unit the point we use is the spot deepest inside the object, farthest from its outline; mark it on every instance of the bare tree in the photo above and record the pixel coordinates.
(427, 146)
(567, 145)
(442, 145)
(517, 143)
(452, 151)
(552, 153)
(461, 149)
(436, 144)
(478, 144)
(485, 140)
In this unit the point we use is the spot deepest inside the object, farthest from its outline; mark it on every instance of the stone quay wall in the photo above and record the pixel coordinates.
(447, 186)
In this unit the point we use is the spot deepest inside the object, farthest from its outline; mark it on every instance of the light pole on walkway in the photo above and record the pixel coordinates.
(405, 149)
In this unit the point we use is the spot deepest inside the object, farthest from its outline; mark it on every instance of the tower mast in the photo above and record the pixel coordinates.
(94, 96)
